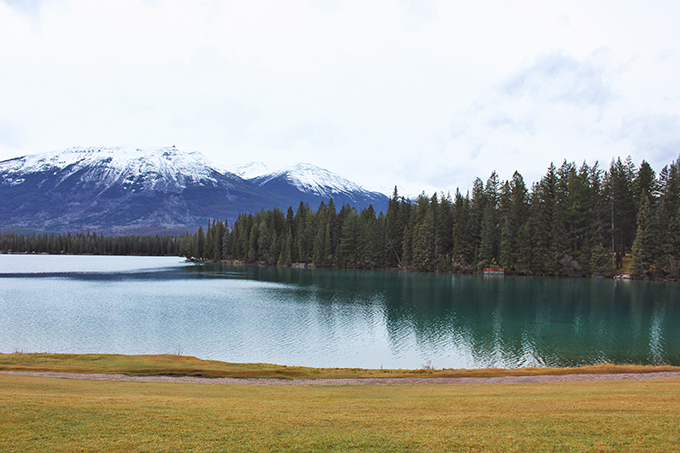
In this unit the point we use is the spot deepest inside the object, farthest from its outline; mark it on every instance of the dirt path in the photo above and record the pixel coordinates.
(366, 381)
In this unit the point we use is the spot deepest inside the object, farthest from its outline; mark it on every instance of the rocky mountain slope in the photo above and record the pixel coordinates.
(120, 191)
(311, 184)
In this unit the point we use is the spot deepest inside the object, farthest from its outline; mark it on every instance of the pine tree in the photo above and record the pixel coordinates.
(286, 257)
(623, 212)
(226, 253)
(672, 247)
(600, 261)
(507, 244)
(264, 242)
(645, 182)
(669, 206)
(478, 202)
(332, 234)
(518, 230)
(486, 248)
(489, 232)
(319, 253)
(543, 200)
(349, 241)
(200, 242)
(369, 239)
(395, 225)
(423, 243)
(463, 242)
(643, 245)
(252, 243)
(444, 234)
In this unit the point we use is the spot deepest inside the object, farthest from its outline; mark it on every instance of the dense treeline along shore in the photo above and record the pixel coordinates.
(576, 221)
(92, 244)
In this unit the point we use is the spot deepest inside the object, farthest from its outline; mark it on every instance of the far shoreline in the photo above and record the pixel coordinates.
(620, 274)
(624, 273)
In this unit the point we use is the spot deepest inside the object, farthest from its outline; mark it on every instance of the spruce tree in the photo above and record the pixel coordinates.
(643, 245)
(444, 234)
(394, 230)
(423, 243)
(226, 252)
(486, 248)
(349, 240)
(200, 242)
(623, 211)
(463, 246)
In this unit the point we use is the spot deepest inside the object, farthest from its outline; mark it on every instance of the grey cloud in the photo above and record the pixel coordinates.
(556, 77)
(317, 133)
(501, 119)
(418, 14)
(327, 5)
(656, 136)
(30, 7)
(445, 175)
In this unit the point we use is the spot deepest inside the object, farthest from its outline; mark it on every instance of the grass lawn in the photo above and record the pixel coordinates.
(48, 414)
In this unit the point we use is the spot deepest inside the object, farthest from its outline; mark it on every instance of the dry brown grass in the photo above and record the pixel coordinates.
(174, 365)
(47, 414)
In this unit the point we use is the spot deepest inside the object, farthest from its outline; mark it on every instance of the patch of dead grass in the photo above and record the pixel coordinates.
(175, 365)
(46, 414)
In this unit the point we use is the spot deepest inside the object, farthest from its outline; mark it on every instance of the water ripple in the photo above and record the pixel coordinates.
(332, 318)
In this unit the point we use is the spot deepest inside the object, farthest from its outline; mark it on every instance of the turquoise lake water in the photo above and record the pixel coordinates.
(330, 318)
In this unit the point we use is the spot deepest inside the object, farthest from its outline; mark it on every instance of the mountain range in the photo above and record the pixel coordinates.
(165, 190)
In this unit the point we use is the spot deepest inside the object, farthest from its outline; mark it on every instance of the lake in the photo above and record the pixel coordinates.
(330, 318)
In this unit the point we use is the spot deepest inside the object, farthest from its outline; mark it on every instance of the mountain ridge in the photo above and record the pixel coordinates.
(125, 190)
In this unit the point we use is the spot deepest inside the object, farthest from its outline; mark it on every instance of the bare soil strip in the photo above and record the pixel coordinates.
(361, 381)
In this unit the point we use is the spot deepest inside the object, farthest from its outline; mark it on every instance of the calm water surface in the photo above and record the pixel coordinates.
(317, 317)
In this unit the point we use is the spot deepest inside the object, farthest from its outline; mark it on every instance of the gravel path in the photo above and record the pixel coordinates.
(366, 381)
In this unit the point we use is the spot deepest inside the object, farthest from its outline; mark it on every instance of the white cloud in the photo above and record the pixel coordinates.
(29, 7)
(556, 77)
(657, 137)
(424, 95)
(11, 135)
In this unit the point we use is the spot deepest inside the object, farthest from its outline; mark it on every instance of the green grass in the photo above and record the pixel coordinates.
(48, 414)
(174, 365)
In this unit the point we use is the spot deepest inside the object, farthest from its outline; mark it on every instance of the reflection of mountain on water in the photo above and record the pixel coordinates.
(472, 321)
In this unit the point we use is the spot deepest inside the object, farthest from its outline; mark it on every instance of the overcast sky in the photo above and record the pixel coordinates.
(425, 95)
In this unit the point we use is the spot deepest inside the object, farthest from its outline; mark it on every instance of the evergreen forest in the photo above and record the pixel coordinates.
(92, 244)
(576, 221)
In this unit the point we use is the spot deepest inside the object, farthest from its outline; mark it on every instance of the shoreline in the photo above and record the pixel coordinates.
(169, 367)
(536, 379)
(621, 274)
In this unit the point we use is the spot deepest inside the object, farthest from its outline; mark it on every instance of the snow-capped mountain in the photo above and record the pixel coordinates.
(159, 169)
(311, 184)
(127, 190)
(120, 190)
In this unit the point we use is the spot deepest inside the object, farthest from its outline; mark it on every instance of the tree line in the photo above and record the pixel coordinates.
(576, 221)
(93, 244)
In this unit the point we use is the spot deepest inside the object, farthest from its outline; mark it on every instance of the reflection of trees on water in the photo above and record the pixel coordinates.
(478, 321)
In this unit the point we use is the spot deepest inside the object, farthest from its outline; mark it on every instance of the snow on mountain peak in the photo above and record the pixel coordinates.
(306, 177)
(128, 165)
(252, 170)
(310, 178)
